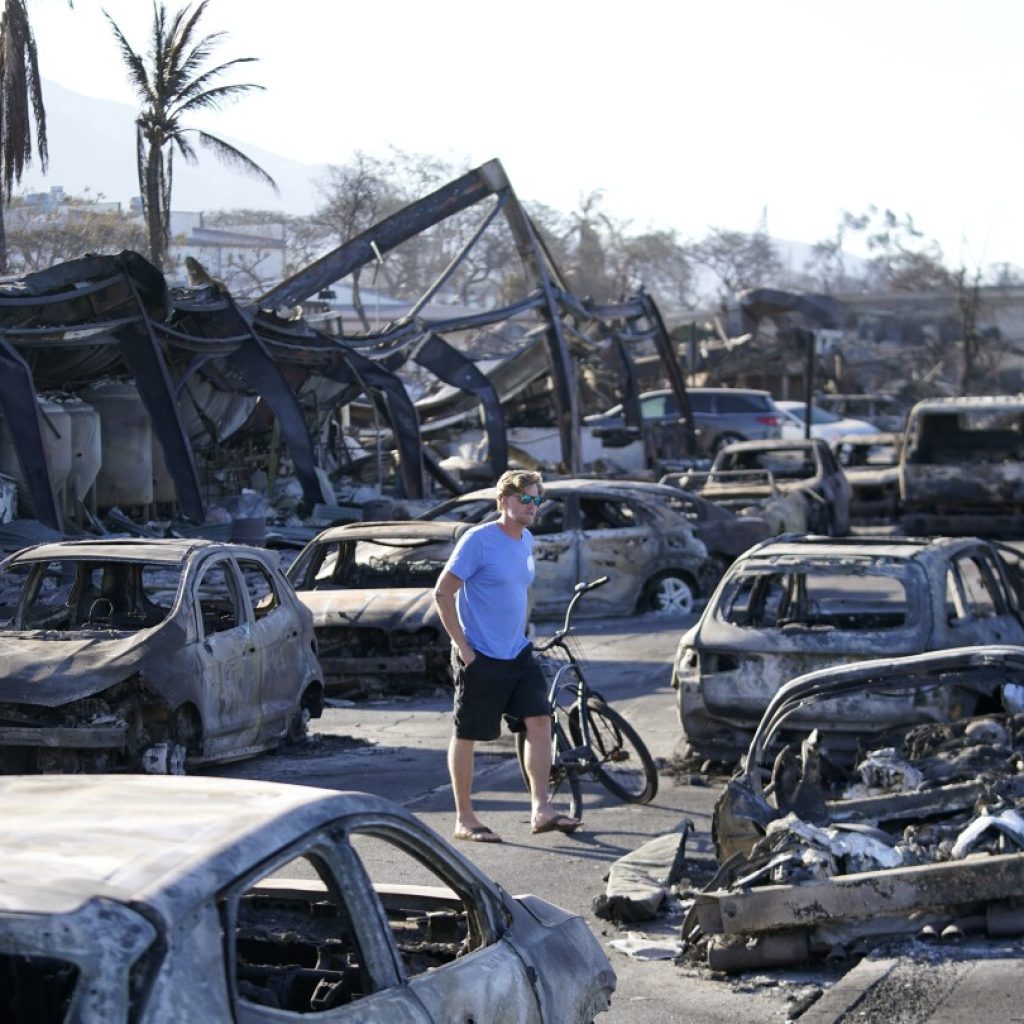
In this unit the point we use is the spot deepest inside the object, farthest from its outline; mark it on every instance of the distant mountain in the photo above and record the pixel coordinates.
(92, 145)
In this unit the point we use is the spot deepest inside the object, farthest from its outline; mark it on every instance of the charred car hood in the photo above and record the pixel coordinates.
(39, 667)
(406, 608)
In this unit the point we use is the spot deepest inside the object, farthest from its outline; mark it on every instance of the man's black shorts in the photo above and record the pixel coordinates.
(492, 687)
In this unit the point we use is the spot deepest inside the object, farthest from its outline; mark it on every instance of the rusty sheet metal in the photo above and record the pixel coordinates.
(861, 896)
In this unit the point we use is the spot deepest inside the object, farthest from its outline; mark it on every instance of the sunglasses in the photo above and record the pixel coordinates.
(527, 499)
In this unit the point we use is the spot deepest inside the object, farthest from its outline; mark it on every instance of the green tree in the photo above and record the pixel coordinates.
(173, 81)
(21, 102)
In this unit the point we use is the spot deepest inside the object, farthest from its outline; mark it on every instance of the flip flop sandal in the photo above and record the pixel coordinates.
(480, 834)
(559, 823)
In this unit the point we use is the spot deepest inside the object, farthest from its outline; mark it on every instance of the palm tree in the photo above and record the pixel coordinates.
(171, 83)
(20, 93)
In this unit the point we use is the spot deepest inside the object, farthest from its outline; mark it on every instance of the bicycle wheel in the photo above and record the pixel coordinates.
(564, 779)
(622, 763)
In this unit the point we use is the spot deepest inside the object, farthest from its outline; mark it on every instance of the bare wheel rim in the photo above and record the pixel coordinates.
(672, 595)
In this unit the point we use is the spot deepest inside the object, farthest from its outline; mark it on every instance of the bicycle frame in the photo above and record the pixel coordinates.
(580, 756)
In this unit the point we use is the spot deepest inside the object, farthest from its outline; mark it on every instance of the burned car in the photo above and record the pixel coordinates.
(792, 605)
(370, 589)
(922, 837)
(149, 654)
(797, 485)
(590, 528)
(962, 467)
(871, 464)
(179, 900)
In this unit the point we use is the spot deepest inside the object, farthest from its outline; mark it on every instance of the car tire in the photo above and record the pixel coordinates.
(311, 706)
(670, 593)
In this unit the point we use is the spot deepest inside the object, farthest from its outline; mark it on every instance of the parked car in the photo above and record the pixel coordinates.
(149, 654)
(824, 424)
(961, 466)
(370, 589)
(887, 411)
(797, 485)
(871, 464)
(591, 528)
(723, 533)
(189, 901)
(792, 605)
(721, 415)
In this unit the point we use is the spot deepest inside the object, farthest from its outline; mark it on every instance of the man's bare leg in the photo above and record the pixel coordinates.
(538, 771)
(460, 768)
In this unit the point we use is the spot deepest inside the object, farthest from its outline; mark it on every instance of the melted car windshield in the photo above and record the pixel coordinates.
(77, 594)
(827, 599)
(362, 565)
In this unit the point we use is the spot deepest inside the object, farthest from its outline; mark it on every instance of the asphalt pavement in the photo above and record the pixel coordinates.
(397, 749)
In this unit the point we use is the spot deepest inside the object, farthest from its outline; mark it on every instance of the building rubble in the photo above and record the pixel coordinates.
(922, 839)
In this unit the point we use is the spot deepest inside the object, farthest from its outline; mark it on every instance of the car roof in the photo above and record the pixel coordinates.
(921, 548)
(428, 529)
(165, 841)
(574, 484)
(979, 403)
(171, 549)
(774, 445)
(706, 391)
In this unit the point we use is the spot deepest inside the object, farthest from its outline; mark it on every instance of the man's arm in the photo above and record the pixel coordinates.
(444, 598)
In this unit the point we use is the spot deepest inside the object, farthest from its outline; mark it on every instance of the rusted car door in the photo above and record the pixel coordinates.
(616, 541)
(277, 638)
(227, 652)
(555, 556)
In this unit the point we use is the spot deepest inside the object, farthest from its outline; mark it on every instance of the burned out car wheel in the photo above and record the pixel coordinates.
(669, 593)
(311, 706)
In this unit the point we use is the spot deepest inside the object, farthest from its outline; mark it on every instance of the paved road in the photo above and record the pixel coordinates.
(397, 749)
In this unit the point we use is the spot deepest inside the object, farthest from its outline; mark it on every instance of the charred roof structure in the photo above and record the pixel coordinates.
(207, 367)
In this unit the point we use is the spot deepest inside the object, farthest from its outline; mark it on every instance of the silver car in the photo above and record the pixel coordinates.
(145, 655)
(793, 605)
(721, 416)
(194, 901)
(638, 537)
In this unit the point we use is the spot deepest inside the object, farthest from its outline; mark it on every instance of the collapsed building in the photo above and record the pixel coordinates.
(118, 391)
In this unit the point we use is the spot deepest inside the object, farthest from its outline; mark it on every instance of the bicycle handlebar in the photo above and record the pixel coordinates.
(578, 591)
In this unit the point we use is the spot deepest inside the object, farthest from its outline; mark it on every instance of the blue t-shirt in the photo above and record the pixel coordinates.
(496, 572)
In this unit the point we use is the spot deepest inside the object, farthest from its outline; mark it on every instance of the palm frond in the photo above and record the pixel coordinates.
(235, 158)
(213, 99)
(202, 81)
(185, 147)
(20, 96)
(136, 66)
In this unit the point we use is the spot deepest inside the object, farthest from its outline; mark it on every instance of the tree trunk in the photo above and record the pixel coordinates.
(3, 236)
(357, 299)
(154, 221)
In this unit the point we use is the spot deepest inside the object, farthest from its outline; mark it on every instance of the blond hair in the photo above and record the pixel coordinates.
(515, 481)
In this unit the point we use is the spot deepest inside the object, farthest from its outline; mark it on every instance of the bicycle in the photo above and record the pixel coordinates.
(589, 739)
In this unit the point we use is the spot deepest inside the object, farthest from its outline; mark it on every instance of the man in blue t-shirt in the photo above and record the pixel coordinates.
(482, 599)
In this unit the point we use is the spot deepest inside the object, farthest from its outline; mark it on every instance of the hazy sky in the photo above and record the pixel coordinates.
(686, 114)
